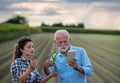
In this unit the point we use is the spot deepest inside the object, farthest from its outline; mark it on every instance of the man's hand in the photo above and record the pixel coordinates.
(73, 63)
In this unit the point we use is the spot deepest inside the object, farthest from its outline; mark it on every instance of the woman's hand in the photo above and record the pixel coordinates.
(48, 63)
(45, 79)
(24, 76)
(54, 74)
(46, 66)
(33, 65)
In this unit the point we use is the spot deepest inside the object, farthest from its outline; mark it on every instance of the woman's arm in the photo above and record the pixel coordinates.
(45, 79)
(46, 66)
(24, 76)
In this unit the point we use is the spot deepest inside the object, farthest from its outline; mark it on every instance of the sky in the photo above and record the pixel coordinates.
(95, 14)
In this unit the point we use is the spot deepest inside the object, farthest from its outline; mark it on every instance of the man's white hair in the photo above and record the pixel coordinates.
(61, 31)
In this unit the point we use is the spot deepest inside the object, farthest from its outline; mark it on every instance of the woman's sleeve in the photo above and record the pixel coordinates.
(38, 76)
(15, 71)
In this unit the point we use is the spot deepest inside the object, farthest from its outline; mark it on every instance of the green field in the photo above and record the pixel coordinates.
(103, 50)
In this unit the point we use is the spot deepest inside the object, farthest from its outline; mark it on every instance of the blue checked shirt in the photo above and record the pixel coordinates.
(19, 66)
(66, 74)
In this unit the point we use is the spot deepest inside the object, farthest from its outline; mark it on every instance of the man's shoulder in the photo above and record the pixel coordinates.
(77, 48)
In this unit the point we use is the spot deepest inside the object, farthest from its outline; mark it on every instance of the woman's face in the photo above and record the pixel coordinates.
(28, 49)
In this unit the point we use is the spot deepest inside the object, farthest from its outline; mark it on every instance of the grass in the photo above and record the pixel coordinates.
(12, 31)
(101, 48)
(106, 71)
(98, 78)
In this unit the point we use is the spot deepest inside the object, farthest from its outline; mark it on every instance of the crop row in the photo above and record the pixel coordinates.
(103, 54)
(99, 58)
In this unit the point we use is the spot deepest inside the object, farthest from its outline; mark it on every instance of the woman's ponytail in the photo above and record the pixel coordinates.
(16, 53)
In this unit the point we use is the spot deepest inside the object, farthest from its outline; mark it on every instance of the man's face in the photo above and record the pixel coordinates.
(62, 42)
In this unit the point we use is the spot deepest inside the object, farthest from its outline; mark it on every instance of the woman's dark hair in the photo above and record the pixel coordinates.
(20, 45)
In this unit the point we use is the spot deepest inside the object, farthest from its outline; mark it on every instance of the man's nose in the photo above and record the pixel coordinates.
(63, 43)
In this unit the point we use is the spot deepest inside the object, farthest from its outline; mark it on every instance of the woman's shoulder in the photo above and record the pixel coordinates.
(16, 61)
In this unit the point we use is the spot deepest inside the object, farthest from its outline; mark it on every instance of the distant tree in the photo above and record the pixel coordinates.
(43, 24)
(81, 25)
(71, 25)
(17, 20)
(57, 25)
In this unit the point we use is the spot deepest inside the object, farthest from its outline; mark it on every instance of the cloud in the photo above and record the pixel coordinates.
(50, 12)
(87, 1)
(102, 14)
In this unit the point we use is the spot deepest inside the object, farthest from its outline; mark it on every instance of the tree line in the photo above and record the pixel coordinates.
(22, 20)
(79, 25)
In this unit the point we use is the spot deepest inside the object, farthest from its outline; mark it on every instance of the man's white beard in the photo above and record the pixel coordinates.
(63, 48)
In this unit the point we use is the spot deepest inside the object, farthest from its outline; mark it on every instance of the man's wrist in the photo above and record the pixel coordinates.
(80, 69)
(76, 68)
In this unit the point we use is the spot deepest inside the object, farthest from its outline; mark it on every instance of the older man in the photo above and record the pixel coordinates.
(74, 70)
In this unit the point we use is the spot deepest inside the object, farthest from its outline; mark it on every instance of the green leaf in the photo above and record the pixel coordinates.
(54, 56)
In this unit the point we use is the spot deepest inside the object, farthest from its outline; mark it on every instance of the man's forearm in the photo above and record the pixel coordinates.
(80, 69)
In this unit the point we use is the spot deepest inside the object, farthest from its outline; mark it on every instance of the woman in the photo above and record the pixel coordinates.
(23, 69)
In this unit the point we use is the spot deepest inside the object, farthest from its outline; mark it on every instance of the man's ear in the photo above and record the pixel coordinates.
(54, 41)
(70, 39)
